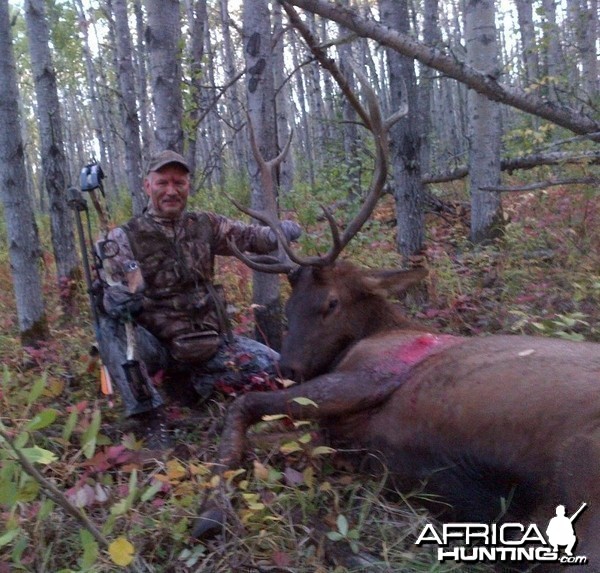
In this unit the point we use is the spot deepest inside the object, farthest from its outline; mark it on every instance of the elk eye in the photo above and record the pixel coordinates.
(331, 305)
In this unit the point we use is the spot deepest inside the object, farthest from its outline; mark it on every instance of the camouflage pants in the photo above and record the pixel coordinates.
(237, 367)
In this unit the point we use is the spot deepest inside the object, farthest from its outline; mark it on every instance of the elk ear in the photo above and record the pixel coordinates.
(395, 282)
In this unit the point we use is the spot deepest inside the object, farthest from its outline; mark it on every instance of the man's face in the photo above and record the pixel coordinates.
(168, 190)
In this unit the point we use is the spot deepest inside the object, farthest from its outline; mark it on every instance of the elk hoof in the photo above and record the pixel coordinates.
(209, 523)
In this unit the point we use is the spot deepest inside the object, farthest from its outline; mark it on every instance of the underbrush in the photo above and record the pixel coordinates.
(292, 508)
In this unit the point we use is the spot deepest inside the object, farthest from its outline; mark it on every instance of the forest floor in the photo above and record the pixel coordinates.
(294, 510)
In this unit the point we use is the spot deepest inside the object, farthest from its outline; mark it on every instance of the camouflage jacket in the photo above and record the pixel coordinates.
(176, 260)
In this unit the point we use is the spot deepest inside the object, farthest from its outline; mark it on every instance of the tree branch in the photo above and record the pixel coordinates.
(544, 184)
(525, 162)
(54, 493)
(452, 67)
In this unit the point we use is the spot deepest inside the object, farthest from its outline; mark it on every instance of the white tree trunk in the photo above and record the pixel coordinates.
(131, 123)
(485, 128)
(405, 139)
(261, 112)
(52, 146)
(23, 243)
(163, 35)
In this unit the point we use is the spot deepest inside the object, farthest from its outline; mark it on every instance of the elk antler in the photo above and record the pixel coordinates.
(287, 259)
(283, 263)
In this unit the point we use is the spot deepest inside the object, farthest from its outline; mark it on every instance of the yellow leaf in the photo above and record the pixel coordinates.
(309, 476)
(274, 417)
(230, 475)
(199, 470)
(175, 471)
(121, 551)
(321, 450)
(260, 471)
(289, 448)
(184, 488)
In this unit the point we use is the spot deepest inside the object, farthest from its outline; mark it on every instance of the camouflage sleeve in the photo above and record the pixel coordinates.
(253, 238)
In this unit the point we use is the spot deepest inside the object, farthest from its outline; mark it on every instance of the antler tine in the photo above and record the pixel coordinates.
(287, 260)
(379, 129)
(277, 265)
(279, 159)
(261, 263)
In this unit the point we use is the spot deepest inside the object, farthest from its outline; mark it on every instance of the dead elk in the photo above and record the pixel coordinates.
(484, 422)
(480, 420)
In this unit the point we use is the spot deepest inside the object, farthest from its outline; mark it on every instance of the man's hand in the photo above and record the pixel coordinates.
(291, 230)
(121, 304)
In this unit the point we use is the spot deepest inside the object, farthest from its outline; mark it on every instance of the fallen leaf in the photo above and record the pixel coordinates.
(121, 551)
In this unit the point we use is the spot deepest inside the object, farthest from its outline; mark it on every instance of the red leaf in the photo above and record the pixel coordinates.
(281, 559)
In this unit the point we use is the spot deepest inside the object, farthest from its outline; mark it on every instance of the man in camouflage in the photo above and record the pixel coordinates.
(159, 269)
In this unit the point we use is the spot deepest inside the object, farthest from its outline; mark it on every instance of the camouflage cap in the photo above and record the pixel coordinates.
(162, 158)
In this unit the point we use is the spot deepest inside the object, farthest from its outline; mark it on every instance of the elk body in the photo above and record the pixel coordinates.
(495, 426)
(484, 422)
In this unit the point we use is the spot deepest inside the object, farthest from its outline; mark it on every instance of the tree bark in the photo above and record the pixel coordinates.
(528, 43)
(553, 55)
(131, 122)
(91, 77)
(239, 149)
(485, 128)
(52, 149)
(405, 138)
(23, 243)
(432, 37)
(261, 112)
(282, 105)
(350, 136)
(197, 21)
(163, 35)
(141, 68)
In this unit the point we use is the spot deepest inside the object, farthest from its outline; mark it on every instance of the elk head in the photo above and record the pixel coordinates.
(332, 305)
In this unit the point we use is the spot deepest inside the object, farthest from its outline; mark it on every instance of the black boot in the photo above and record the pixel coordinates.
(152, 428)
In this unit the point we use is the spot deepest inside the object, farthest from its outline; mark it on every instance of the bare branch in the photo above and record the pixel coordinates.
(437, 59)
(326, 62)
(54, 493)
(544, 184)
(525, 162)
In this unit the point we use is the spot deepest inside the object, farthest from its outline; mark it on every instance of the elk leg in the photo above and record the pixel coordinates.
(334, 394)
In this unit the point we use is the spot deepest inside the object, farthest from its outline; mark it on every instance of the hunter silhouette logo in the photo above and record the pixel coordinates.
(506, 542)
(560, 530)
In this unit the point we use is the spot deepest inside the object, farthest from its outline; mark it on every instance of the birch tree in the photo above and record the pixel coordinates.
(131, 123)
(141, 68)
(282, 99)
(238, 148)
(197, 21)
(260, 98)
(54, 165)
(484, 123)
(163, 36)
(529, 49)
(22, 237)
(405, 137)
